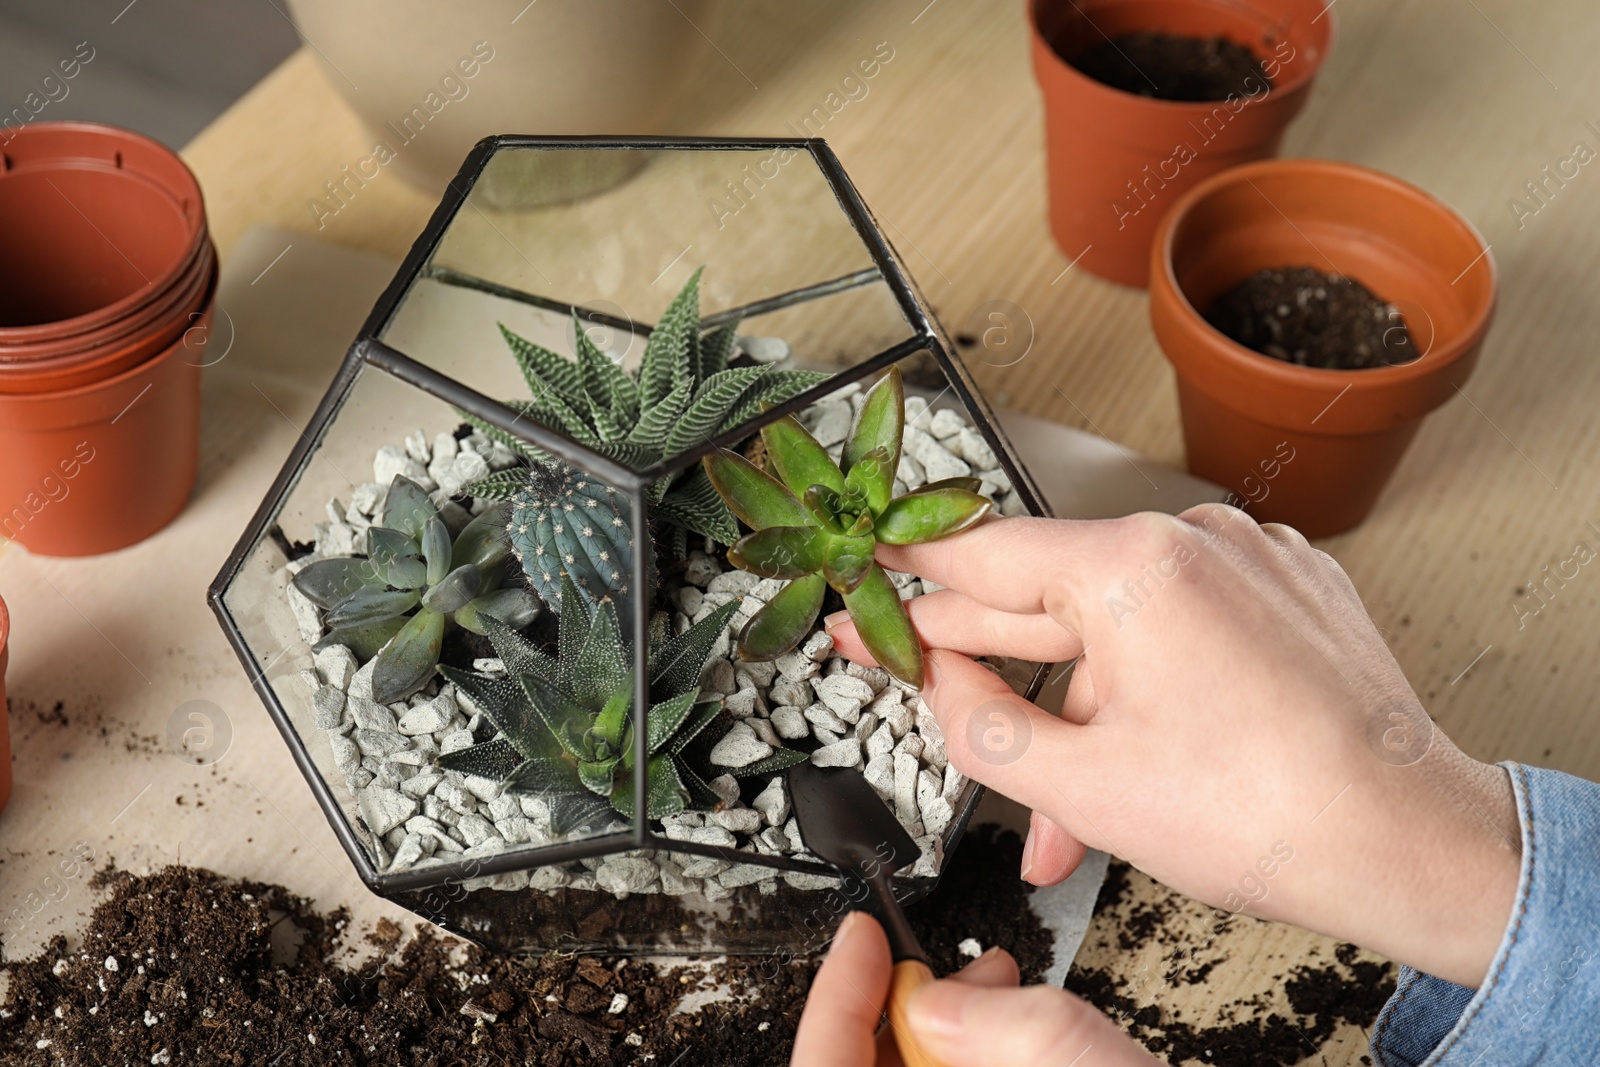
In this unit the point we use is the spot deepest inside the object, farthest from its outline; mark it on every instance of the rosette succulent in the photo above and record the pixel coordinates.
(683, 394)
(395, 604)
(567, 723)
(819, 523)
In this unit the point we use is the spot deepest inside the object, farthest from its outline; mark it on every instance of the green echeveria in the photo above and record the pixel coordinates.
(819, 522)
(417, 578)
(566, 723)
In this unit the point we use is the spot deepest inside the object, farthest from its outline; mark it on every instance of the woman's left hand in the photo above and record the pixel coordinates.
(976, 1018)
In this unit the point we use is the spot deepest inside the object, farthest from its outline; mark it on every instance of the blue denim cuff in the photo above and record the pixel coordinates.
(1540, 1002)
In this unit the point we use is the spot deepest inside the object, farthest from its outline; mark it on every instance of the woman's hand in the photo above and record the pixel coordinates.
(977, 1018)
(1235, 727)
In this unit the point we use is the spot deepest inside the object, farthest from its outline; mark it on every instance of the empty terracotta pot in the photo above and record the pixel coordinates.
(106, 290)
(1308, 447)
(1117, 161)
(5, 721)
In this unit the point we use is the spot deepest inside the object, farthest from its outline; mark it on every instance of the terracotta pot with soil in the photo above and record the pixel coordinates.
(1144, 99)
(5, 726)
(104, 309)
(1356, 304)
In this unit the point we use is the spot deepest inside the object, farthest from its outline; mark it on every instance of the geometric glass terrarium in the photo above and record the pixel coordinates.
(488, 602)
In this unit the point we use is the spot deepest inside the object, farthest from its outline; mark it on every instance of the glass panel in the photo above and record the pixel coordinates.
(764, 224)
(351, 543)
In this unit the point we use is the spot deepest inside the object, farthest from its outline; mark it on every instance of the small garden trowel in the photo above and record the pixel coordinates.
(844, 822)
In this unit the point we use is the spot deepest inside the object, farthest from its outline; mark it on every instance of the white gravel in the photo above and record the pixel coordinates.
(810, 698)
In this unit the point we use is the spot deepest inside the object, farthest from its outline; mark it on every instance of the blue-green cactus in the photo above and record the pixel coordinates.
(563, 521)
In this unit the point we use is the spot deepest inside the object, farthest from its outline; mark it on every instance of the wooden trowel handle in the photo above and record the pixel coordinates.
(909, 975)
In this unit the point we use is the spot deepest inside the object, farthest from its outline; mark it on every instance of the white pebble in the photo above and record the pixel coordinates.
(337, 665)
(818, 646)
(905, 786)
(971, 948)
(946, 422)
(739, 747)
(789, 723)
(844, 695)
(391, 461)
(846, 753)
(976, 451)
(773, 802)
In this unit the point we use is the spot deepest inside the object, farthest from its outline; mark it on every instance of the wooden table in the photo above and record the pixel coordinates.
(1468, 98)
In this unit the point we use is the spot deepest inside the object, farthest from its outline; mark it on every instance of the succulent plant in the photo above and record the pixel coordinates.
(683, 394)
(395, 604)
(822, 522)
(567, 722)
(562, 522)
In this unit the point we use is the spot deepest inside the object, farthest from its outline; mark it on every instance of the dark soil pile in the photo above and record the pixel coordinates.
(1303, 316)
(1322, 997)
(1170, 67)
(186, 967)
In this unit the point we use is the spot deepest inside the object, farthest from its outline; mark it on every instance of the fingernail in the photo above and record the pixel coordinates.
(1027, 855)
(938, 1008)
(930, 680)
(835, 619)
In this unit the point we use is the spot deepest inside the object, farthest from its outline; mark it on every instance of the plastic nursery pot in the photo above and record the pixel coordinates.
(1116, 160)
(103, 466)
(1304, 446)
(117, 347)
(99, 223)
(5, 729)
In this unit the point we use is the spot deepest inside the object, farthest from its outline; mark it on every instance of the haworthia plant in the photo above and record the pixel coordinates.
(567, 724)
(683, 394)
(819, 523)
(416, 580)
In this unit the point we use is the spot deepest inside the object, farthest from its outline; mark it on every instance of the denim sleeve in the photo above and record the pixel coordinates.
(1540, 1002)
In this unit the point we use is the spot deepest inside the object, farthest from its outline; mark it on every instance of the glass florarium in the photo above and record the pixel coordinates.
(537, 601)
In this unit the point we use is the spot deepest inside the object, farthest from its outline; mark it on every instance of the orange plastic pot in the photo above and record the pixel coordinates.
(116, 347)
(1118, 161)
(1298, 445)
(5, 727)
(106, 285)
(99, 222)
(103, 466)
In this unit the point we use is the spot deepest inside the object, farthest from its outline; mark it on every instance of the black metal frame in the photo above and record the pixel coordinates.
(369, 351)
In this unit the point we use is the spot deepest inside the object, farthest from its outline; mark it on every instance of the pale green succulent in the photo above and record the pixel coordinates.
(395, 604)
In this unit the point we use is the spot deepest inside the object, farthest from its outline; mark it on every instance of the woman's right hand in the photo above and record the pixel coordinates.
(1236, 727)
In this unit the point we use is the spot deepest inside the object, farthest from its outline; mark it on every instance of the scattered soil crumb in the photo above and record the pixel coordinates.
(185, 966)
(1319, 996)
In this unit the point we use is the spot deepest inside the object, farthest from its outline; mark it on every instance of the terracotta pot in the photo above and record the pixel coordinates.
(5, 727)
(103, 466)
(430, 80)
(1308, 447)
(99, 223)
(1117, 161)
